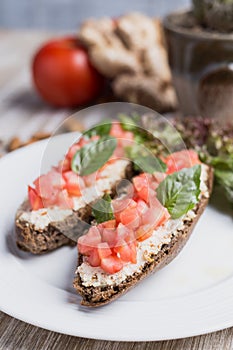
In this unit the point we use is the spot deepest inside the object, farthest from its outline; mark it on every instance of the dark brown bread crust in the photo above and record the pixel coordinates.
(56, 234)
(98, 296)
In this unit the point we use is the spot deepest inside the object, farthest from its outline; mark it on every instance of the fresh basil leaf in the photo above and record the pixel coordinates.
(222, 162)
(150, 164)
(93, 156)
(102, 209)
(100, 129)
(127, 123)
(131, 123)
(144, 160)
(132, 151)
(179, 192)
(166, 136)
(141, 138)
(225, 179)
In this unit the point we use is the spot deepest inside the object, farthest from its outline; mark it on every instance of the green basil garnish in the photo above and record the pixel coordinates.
(144, 160)
(102, 129)
(225, 179)
(93, 156)
(179, 192)
(150, 164)
(102, 209)
(132, 123)
(128, 123)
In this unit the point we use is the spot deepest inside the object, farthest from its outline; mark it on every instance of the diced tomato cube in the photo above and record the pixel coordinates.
(144, 232)
(109, 224)
(72, 150)
(119, 205)
(144, 194)
(123, 232)
(84, 246)
(48, 184)
(104, 250)
(64, 165)
(64, 200)
(116, 130)
(43, 187)
(153, 217)
(128, 135)
(153, 200)
(141, 207)
(130, 218)
(111, 264)
(89, 241)
(132, 204)
(133, 247)
(166, 215)
(74, 183)
(94, 235)
(109, 236)
(83, 141)
(159, 208)
(34, 199)
(125, 251)
(56, 178)
(140, 182)
(93, 258)
(157, 214)
(124, 138)
(182, 159)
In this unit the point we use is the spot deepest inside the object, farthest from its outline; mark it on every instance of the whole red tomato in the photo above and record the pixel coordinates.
(63, 74)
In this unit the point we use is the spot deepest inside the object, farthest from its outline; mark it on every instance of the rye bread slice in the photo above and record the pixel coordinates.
(101, 295)
(57, 233)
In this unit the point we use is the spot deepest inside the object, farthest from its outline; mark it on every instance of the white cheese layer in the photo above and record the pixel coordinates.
(109, 176)
(95, 276)
(42, 217)
(204, 180)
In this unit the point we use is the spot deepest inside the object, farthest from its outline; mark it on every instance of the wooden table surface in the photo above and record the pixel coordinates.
(22, 113)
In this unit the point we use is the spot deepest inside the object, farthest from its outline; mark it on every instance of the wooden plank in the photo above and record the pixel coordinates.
(15, 334)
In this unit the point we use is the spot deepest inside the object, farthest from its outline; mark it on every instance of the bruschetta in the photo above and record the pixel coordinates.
(144, 232)
(58, 207)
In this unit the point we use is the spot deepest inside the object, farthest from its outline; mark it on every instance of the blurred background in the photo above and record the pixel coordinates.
(180, 71)
(68, 14)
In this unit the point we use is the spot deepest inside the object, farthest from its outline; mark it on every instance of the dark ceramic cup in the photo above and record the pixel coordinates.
(202, 67)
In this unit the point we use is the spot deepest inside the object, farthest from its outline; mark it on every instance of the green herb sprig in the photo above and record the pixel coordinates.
(102, 209)
(179, 192)
(93, 156)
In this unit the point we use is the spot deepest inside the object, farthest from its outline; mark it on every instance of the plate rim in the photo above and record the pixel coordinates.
(40, 145)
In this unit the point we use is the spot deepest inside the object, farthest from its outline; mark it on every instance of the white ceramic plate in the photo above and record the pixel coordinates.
(191, 296)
